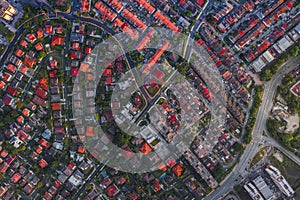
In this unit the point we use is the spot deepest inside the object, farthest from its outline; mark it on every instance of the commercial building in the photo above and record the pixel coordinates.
(280, 181)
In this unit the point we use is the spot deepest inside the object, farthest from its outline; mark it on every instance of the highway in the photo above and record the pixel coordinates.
(259, 127)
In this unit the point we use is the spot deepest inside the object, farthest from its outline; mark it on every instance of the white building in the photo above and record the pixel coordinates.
(280, 181)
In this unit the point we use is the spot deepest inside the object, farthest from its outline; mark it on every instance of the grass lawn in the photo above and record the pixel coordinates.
(152, 90)
(6, 33)
(259, 156)
(289, 169)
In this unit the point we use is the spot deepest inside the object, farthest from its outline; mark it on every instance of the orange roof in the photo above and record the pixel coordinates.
(44, 143)
(43, 163)
(90, 131)
(29, 62)
(38, 46)
(143, 43)
(57, 40)
(106, 12)
(19, 53)
(2, 85)
(11, 68)
(25, 112)
(162, 167)
(59, 30)
(23, 43)
(115, 4)
(84, 67)
(166, 21)
(56, 106)
(146, 5)
(118, 22)
(85, 6)
(39, 149)
(156, 57)
(16, 177)
(20, 119)
(134, 19)
(145, 149)
(40, 33)
(23, 69)
(3, 153)
(80, 149)
(177, 169)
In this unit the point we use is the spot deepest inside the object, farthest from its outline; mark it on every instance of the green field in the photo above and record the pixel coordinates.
(259, 156)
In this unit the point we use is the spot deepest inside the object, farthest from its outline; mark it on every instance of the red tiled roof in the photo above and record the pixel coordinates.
(74, 72)
(23, 43)
(171, 162)
(85, 6)
(7, 76)
(22, 135)
(88, 50)
(142, 44)
(43, 163)
(80, 149)
(28, 62)
(40, 33)
(12, 91)
(39, 149)
(177, 169)
(56, 106)
(2, 85)
(129, 15)
(19, 52)
(59, 30)
(53, 63)
(71, 165)
(57, 184)
(165, 20)
(159, 75)
(11, 68)
(107, 72)
(90, 131)
(76, 45)
(200, 2)
(106, 12)
(115, 4)
(16, 177)
(162, 167)
(156, 57)
(133, 34)
(40, 92)
(156, 186)
(112, 190)
(3, 153)
(57, 40)
(31, 37)
(44, 143)
(23, 69)
(146, 5)
(49, 29)
(39, 46)
(145, 148)
(25, 112)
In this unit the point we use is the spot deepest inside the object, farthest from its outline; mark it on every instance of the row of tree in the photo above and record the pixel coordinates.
(253, 112)
(268, 73)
